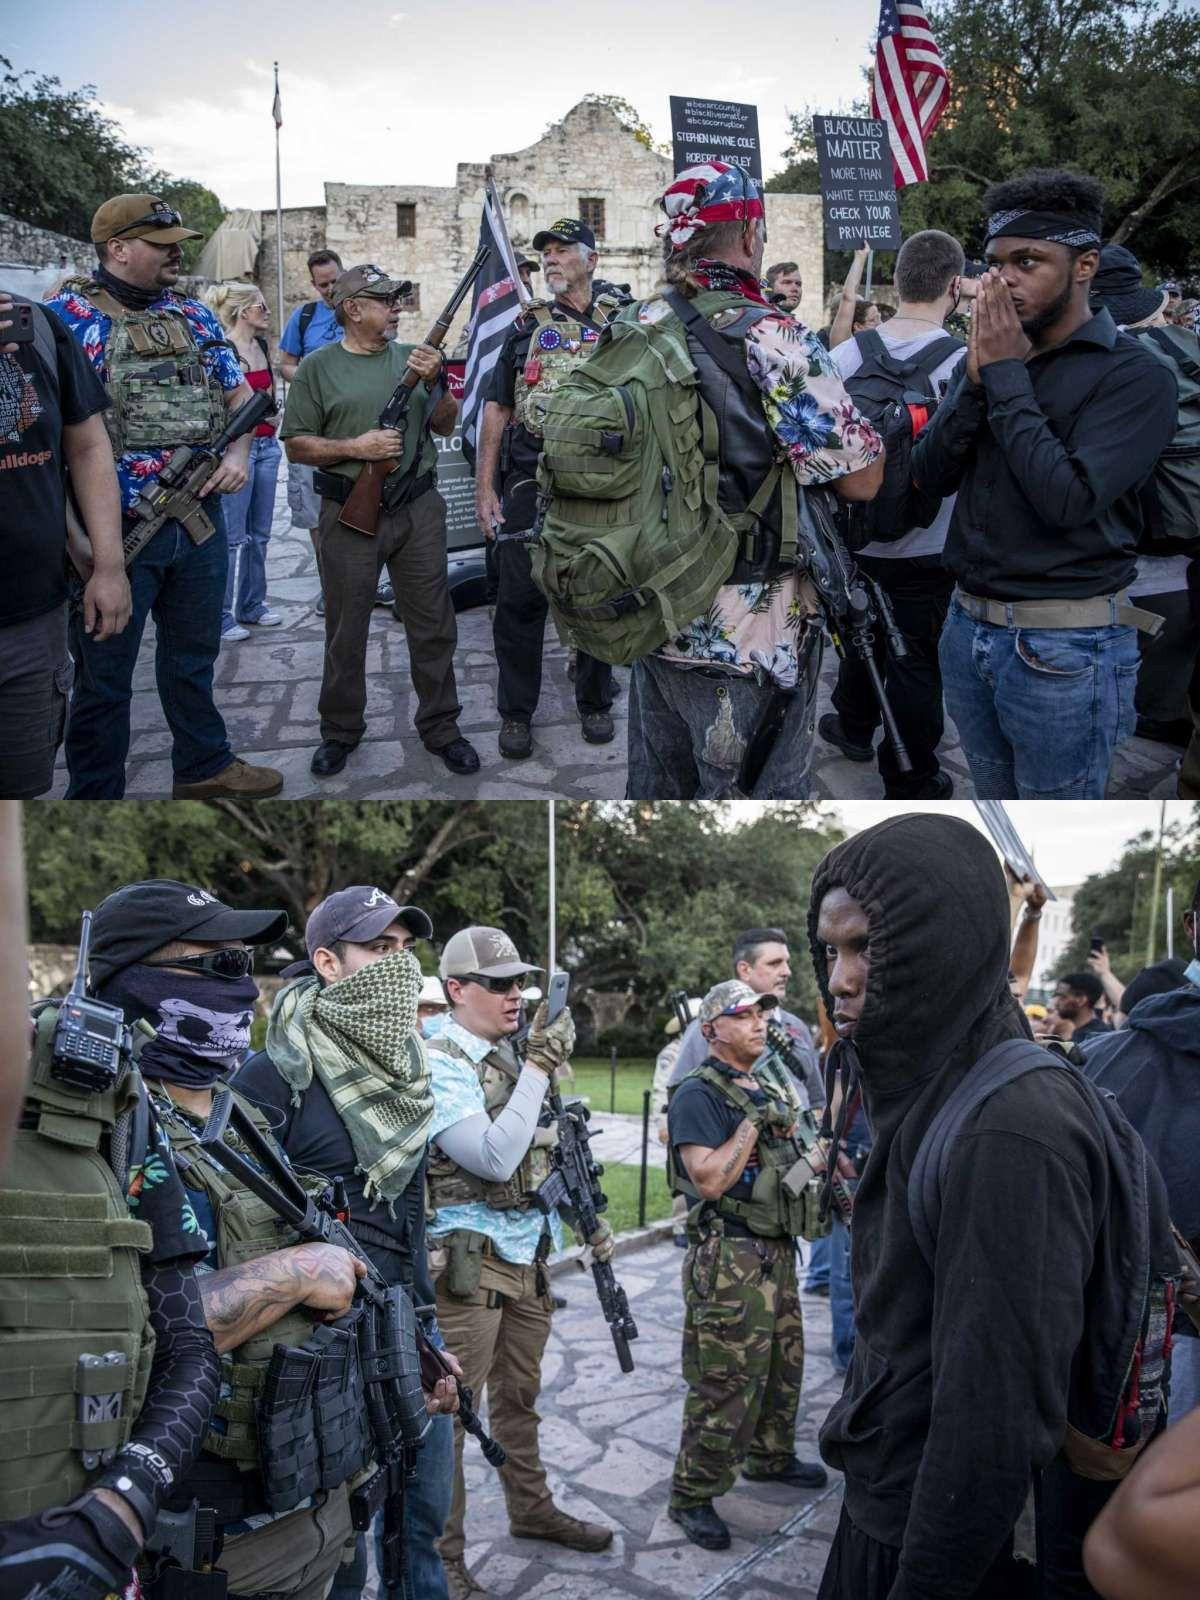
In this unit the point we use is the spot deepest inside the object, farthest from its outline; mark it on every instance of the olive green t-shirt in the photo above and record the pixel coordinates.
(338, 395)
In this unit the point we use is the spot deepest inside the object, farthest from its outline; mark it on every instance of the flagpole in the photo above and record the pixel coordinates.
(278, 216)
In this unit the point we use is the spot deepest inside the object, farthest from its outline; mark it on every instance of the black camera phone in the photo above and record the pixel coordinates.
(90, 1038)
(1097, 943)
(21, 331)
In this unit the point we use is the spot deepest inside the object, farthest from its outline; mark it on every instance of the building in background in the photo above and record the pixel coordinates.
(1055, 934)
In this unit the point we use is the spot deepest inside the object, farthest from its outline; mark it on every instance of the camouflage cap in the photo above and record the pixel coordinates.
(567, 230)
(368, 282)
(486, 951)
(728, 998)
(140, 216)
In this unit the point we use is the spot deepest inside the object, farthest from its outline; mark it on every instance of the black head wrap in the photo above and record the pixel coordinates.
(1078, 229)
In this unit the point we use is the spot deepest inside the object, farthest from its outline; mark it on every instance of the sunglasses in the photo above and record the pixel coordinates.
(157, 219)
(495, 985)
(231, 963)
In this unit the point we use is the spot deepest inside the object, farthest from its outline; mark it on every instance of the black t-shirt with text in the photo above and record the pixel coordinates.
(35, 405)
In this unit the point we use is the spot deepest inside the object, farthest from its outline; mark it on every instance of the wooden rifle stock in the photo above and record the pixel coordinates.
(360, 510)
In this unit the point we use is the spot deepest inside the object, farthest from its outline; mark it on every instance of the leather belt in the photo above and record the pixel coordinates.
(1101, 611)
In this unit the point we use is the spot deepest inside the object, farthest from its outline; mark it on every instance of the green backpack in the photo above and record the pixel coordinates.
(634, 545)
(1171, 495)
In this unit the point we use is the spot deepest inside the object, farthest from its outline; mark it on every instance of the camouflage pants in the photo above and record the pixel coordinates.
(743, 1359)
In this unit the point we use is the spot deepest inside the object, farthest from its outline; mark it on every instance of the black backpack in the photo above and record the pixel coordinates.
(1121, 1369)
(898, 398)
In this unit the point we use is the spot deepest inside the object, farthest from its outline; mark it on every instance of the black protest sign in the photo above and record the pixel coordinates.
(715, 130)
(858, 187)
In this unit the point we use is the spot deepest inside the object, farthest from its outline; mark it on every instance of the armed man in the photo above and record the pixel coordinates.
(546, 341)
(109, 1370)
(744, 1150)
(488, 1240)
(344, 1083)
(173, 955)
(332, 424)
(172, 377)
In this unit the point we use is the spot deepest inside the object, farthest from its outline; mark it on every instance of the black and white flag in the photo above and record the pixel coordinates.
(498, 298)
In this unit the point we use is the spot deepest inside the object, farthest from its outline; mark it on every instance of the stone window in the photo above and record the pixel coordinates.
(518, 216)
(412, 300)
(406, 221)
(591, 214)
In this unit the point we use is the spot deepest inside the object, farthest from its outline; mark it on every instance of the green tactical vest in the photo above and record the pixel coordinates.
(246, 1227)
(785, 1199)
(162, 393)
(566, 341)
(70, 1287)
(451, 1185)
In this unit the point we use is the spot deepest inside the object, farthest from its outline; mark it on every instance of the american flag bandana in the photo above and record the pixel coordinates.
(712, 192)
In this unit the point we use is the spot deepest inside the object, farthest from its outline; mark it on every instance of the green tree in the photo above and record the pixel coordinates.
(198, 206)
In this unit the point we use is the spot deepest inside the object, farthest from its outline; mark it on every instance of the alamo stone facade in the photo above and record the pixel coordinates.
(587, 163)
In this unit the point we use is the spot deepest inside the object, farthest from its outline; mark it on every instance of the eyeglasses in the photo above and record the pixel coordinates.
(165, 218)
(231, 963)
(496, 985)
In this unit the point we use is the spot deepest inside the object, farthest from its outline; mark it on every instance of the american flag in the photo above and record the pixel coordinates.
(910, 87)
(494, 309)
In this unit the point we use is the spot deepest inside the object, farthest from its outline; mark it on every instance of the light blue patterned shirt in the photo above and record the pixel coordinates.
(457, 1094)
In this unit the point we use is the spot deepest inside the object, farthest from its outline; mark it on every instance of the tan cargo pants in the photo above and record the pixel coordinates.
(499, 1335)
(297, 1555)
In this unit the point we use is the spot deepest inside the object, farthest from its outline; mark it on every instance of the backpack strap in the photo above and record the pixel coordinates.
(1164, 341)
(927, 361)
(1001, 1065)
(872, 347)
(307, 313)
(43, 341)
(718, 348)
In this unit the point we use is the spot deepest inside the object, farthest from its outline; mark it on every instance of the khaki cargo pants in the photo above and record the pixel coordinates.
(498, 1335)
(297, 1555)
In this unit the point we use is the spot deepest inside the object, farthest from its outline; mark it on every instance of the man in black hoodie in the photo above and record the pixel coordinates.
(958, 1389)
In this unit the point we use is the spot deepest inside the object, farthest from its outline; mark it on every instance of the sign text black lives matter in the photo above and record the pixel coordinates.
(858, 188)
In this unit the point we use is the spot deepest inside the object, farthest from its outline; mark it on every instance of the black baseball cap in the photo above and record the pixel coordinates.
(567, 230)
(142, 917)
(358, 915)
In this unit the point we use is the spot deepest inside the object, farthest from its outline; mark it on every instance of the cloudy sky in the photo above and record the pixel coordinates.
(373, 93)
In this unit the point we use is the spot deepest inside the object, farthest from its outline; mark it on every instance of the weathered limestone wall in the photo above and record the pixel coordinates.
(303, 232)
(21, 242)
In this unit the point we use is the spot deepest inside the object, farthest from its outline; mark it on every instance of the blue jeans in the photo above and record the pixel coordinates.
(817, 1276)
(1185, 1377)
(841, 1295)
(1039, 710)
(426, 1507)
(248, 515)
(180, 584)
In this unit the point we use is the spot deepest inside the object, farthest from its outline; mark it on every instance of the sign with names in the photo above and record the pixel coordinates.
(715, 130)
(858, 187)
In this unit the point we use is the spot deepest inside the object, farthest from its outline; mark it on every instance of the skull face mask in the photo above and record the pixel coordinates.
(202, 1021)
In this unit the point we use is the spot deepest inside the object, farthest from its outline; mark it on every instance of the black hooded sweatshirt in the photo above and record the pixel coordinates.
(959, 1383)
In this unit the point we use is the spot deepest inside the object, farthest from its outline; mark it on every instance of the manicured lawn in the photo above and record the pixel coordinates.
(620, 1184)
(593, 1078)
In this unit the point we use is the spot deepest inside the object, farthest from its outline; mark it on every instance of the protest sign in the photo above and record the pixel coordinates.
(455, 482)
(715, 130)
(858, 188)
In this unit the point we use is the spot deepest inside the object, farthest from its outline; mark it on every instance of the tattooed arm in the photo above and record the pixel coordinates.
(714, 1172)
(242, 1301)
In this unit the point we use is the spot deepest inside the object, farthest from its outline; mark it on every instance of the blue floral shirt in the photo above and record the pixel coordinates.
(457, 1094)
(138, 469)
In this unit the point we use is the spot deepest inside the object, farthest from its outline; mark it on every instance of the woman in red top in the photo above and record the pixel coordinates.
(244, 316)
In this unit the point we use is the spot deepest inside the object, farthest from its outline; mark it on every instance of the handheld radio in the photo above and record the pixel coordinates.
(91, 1039)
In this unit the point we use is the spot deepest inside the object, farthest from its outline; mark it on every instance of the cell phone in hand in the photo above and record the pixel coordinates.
(556, 994)
(1097, 944)
(21, 331)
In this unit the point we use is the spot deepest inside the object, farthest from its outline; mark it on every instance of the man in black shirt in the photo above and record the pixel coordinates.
(1077, 1000)
(1047, 434)
(541, 349)
(329, 1125)
(51, 406)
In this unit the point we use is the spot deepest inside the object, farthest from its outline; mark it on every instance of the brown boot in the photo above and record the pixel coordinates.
(238, 781)
(458, 1580)
(558, 1528)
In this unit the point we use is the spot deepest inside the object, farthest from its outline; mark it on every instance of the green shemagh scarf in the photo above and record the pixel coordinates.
(360, 1037)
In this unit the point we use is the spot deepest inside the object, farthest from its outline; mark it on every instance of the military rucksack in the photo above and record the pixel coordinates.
(76, 1343)
(1171, 496)
(1120, 1370)
(634, 543)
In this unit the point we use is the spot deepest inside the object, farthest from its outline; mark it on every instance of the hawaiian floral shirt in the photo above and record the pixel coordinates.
(757, 628)
(137, 469)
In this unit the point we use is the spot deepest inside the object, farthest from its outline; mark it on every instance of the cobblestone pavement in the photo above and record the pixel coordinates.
(267, 688)
(609, 1443)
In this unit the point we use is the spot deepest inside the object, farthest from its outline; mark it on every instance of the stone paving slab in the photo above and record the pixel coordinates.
(267, 687)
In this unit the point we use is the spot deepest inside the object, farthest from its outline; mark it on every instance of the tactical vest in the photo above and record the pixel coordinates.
(451, 1185)
(555, 345)
(75, 1336)
(747, 449)
(246, 1228)
(785, 1199)
(162, 393)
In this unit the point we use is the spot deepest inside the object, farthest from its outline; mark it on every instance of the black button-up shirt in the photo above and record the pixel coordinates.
(1047, 457)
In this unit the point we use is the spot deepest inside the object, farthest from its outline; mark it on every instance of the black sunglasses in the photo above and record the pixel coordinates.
(231, 963)
(165, 218)
(495, 985)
